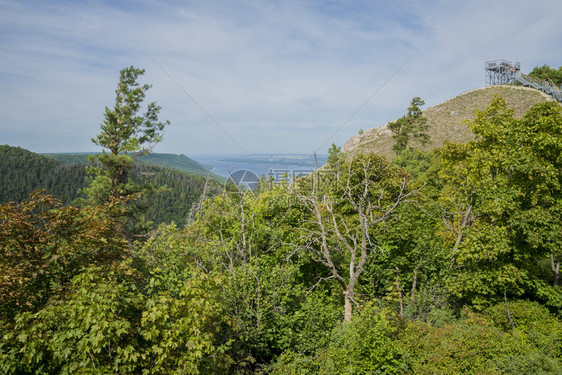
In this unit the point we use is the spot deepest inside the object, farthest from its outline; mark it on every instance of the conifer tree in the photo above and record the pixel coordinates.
(413, 125)
(127, 132)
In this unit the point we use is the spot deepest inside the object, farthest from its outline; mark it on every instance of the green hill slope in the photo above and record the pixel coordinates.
(447, 120)
(22, 171)
(172, 161)
(178, 162)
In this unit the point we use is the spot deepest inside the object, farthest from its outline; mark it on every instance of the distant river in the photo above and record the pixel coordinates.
(262, 165)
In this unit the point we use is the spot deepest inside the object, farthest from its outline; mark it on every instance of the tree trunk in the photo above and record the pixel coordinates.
(460, 234)
(399, 290)
(555, 265)
(348, 306)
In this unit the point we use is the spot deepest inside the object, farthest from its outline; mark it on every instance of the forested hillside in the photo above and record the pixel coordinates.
(171, 161)
(441, 262)
(22, 172)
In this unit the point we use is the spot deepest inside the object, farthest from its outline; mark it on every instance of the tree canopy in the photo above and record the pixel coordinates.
(438, 262)
(546, 72)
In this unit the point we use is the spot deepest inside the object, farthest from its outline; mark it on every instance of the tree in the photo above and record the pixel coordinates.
(43, 244)
(125, 134)
(536, 146)
(501, 204)
(413, 125)
(546, 72)
(339, 230)
(335, 156)
(241, 234)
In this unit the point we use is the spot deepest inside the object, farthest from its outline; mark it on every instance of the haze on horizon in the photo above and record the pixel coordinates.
(278, 76)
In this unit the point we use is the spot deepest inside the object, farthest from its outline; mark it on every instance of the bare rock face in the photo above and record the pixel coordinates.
(370, 134)
(448, 121)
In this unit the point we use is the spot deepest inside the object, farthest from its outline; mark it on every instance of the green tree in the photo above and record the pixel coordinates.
(43, 244)
(501, 204)
(546, 72)
(241, 235)
(472, 345)
(335, 156)
(366, 345)
(413, 125)
(125, 134)
(92, 329)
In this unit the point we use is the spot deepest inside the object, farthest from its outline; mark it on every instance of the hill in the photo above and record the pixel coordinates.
(22, 171)
(447, 120)
(177, 162)
(172, 161)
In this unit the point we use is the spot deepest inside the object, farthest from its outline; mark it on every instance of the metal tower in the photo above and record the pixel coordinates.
(503, 72)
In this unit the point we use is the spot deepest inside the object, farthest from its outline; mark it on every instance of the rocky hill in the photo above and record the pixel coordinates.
(447, 121)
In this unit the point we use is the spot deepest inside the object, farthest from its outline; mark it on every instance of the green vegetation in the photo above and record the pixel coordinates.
(446, 122)
(546, 72)
(413, 126)
(125, 135)
(180, 163)
(22, 172)
(443, 261)
(177, 162)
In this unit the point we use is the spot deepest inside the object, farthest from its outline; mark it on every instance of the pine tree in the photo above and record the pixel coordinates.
(413, 125)
(126, 133)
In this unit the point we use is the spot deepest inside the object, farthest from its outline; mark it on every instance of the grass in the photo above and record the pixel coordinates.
(447, 121)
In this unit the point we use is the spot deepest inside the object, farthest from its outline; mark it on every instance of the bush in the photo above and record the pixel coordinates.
(533, 322)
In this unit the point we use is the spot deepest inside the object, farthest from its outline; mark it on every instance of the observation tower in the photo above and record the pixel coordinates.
(503, 72)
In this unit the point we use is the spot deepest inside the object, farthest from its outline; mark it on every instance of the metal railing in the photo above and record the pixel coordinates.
(501, 72)
(546, 86)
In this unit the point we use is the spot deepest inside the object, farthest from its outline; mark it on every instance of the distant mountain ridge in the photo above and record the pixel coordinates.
(176, 162)
(447, 120)
(22, 171)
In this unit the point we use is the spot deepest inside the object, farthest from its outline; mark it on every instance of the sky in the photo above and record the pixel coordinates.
(250, 76)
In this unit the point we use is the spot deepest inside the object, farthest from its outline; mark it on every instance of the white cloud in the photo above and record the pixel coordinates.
(279, 76)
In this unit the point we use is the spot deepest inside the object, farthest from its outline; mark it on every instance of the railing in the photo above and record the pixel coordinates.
(500, 72)
(499, 64)
(546, 86)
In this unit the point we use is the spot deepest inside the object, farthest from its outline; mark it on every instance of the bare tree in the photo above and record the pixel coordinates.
(363, 192)
(555, 265)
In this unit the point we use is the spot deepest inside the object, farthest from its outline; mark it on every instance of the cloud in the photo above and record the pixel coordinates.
(278, 76)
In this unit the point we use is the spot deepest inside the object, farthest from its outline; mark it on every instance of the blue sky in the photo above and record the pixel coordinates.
(278, 76)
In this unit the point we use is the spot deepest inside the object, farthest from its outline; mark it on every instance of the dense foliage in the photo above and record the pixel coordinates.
(22, 172)
(171, 161)
(443, 262)
(546, 72)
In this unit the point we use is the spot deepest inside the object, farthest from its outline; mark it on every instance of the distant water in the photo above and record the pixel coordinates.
(274, 165)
